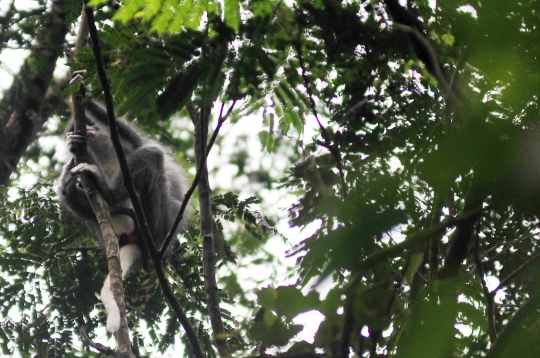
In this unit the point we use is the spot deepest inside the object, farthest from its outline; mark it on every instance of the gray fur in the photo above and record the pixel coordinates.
(158, 179)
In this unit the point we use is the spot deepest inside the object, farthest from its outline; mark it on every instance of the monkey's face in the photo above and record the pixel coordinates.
(97, 135)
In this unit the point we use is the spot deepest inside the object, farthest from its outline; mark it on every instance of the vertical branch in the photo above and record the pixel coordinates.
(100, 207)
(492, 331)
(103, 217)
(140, 219)
(200, 165)
(515, 324)
(438, 204)
(205, 202)
(342, 350)
(458, 247)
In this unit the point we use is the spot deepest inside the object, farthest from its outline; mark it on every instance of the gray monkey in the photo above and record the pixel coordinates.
(160, 183)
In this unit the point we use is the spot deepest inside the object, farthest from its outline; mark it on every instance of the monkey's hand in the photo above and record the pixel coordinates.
(85, 167)
(75, 141)
(66, 179)
(98, 178)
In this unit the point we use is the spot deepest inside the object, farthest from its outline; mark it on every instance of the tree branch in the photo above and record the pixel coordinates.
(21, 108)
(528, 309)
(332, 147)
(189, 193)
(205, 207)
(492, 331)
(140, 219)
(101, 348)
(458, 247)
(416, 241)
(100, 208)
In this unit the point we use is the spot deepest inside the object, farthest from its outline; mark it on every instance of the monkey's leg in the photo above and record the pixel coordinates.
(130, 257)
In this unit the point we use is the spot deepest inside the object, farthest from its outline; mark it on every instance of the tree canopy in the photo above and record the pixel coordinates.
(408, 130)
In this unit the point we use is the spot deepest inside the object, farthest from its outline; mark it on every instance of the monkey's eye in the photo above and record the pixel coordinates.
(90, 123)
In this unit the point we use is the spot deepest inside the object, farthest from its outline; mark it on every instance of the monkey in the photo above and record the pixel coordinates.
(159, 181)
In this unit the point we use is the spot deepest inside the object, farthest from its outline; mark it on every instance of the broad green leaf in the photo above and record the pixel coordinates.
(232, 14)
(181, 15)
(290, 301)
(128, 10)
(266, 297)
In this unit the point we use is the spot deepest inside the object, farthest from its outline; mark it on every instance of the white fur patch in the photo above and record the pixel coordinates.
(113, 312)
(129, 254)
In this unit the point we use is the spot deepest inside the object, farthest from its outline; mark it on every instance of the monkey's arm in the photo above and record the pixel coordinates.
(72, 194)
(98, 178)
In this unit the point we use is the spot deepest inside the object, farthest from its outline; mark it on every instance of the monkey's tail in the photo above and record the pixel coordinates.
(130, 258)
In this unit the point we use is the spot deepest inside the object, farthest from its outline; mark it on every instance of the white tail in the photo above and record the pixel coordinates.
(129, 255)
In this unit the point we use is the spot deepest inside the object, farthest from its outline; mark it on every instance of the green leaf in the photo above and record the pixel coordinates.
(194, 14)
(161, 21)
(290, 301)
(448, 39)
(232, 14)
(128, 10)
(266, 297)
(96, 3)
(151, 8)
(430, 330)
(267, 141)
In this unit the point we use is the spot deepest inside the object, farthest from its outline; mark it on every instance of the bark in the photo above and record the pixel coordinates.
(460, 241)
(209, 264)
(24, 108)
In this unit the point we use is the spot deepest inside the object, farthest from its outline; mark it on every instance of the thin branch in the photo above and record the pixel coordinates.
(332, 147)
(415, 241)
(100, 347)
(191, 190)
(205, 208)
(130, 188)
(55, 47)
(348, 317)
(492, 331)
(103, 217)
(434, 59)
(509, 330)
(515, 273)
(82, 248)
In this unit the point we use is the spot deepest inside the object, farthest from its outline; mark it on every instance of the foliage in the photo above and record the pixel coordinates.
(419, 189)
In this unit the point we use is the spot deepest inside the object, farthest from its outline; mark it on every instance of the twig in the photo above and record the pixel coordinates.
(332, 147)
(348, 317)
(515, 273)
(82, 248)
(492, 331)
(434, 59)
(100, 347)
(530, 307)
(415, 240)
(103, 216)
